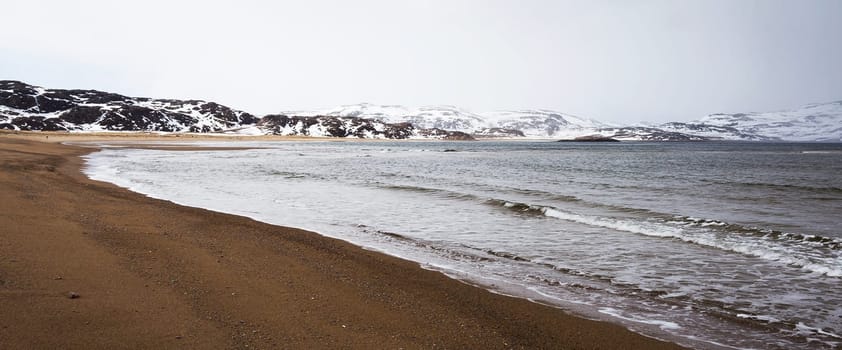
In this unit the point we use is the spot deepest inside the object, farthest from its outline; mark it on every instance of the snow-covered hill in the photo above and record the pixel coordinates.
(543, 123)
(817, 122)
(427, 117)
(350, 126)
(27, 107)
(520, 123)
(814, 122)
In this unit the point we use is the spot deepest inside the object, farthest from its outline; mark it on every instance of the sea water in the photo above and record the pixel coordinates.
(712, 245)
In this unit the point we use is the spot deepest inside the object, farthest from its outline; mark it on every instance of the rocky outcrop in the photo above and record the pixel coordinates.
(332, 126)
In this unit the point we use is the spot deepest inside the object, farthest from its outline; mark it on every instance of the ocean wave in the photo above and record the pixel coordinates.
(793, 249)
(518, 208)
(813, 240)
(652, 224)
(539, 194)
(429, 190)
(441, 249)
(797, 250)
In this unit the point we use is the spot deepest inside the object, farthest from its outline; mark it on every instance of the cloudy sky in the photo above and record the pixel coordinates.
(617, 61)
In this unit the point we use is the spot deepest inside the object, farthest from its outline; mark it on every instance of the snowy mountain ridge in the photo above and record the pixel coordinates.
(27, 107)
(813, 122)
(515, 123)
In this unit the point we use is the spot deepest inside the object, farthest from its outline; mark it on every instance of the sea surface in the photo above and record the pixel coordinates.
(712, 245)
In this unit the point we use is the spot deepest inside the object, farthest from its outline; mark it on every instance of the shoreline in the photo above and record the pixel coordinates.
(151, 273)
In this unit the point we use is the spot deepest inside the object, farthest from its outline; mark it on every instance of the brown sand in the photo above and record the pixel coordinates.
(152, 274)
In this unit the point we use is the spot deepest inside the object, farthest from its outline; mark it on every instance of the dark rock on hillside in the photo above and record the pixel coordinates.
(82, 115)
(398, 131)
(88, 96)
(36, 123)
(23, 98)
(345, 127)
(131, 118)
(226, 115)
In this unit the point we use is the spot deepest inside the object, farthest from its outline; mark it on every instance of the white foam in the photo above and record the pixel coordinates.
(664, 325)
(627, 226)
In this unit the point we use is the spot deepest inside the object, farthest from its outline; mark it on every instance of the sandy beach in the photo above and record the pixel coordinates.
(88, 265)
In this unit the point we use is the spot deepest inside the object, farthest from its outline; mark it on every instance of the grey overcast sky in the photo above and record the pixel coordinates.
(616, 61)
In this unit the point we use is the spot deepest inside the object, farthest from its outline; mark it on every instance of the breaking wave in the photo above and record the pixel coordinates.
(785, 248)
(795, 249)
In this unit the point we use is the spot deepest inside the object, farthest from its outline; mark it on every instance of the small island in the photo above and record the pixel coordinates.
(591, 138)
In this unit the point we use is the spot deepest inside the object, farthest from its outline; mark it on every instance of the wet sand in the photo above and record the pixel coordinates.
(152, 274)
